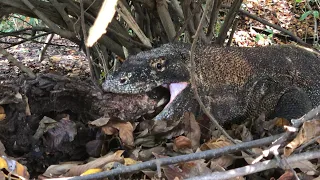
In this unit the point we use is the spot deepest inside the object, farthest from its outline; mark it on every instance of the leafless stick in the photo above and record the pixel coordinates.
(28, 39)
(84, 32)
(313, 140)
(193, 83)
(64, 33)
(234, 27)
(45, 46)
(165, 18)
(183, 158)
(233, 11)
(258, 167)
(213, 18)
(126, 15)
(60, 7)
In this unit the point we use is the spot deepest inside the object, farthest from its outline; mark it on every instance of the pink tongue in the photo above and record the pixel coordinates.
(175, 89)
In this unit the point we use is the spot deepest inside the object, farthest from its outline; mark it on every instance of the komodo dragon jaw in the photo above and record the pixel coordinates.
(141, 73)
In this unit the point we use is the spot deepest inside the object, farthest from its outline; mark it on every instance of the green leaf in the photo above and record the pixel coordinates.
(304, 15)
(298, 1)
(316, 14)
(258, 37)
(269, 31)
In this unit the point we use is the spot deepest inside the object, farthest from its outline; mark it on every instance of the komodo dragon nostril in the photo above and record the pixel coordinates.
(123, 80)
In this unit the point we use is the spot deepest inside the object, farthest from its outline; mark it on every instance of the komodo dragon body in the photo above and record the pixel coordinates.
(235, 83)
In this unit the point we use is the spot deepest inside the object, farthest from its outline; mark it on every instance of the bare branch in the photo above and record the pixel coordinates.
(28, 39)
(214, 153)
(176, 6)
(64, 33)
(213, 18)
(61, 9)
(126, 15)
(84, 33)
(45, 47)
(233, 11)
(169, 27)
(258, 167)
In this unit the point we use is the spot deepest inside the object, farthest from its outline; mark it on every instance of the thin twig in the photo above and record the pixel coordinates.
(28, 39)
(311, 141)
(55, 28)
(84, 32)
(165, 18)
(233, 11)
(258, 167)
(127, 16)
(214, 153)
(193, 82)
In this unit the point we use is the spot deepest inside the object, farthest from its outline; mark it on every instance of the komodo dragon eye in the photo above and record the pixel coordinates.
(158, 64)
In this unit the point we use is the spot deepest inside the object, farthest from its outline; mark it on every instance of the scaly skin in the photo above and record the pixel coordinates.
(235, 83)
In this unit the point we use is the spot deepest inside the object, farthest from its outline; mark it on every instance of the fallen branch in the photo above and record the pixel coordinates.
(258, 167)
(178, 159)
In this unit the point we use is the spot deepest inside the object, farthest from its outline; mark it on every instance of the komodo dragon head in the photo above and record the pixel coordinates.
(164, 66)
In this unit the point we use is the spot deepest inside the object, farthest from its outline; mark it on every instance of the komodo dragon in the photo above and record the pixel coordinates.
(235, 83)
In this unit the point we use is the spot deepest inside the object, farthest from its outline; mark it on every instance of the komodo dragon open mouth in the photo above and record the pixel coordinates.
(175, 89)
(161, 93)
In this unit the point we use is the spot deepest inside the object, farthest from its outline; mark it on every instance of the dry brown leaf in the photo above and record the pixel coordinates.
(281, 122)
(100, 122)
(309, 130)
(108, 130)
(97, 163)
(54, 171)
(14, 167)
(125, 130)
(173, 172)
(45, 124)
(288, 175)
(129, 161)
(145, 155)
(223, 161)
(192, 129)
(215, 143)
(195, 168)
(305, 166)
(2, 113)
(181, 144)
